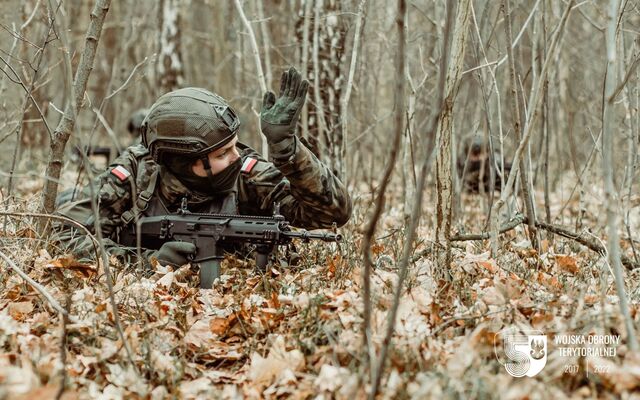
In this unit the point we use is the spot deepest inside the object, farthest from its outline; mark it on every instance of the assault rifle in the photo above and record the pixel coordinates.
(211, 232)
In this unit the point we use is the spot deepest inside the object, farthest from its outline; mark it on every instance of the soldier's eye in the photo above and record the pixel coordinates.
(221, 155)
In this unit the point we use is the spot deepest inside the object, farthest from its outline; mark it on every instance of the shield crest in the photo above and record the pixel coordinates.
(537, 354)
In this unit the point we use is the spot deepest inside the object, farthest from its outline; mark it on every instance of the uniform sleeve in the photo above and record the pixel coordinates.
(112, 191)
(112, 198)
(310, 195)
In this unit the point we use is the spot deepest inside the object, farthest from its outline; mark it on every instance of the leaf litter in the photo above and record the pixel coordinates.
(296, 332)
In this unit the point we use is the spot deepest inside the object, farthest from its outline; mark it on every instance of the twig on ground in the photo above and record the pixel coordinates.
(35, 285)
(557, 229)
(63, 348)
(517, 220)
(453, 319)
(585, 241)
(94, 241)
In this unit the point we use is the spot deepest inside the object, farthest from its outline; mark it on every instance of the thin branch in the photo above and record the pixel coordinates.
(559, 230)
(126, 82)
(611, 202)
(514, 74)
(528, 126)
(264, 32)
(583, 240)
(256, 58)
(344, 101)
(68, 120)
(370, 229)
(524, 27)
(19, 36)
(458, 50)
(63, 348)
(319, 104)
(622, 84)
(29, 93)
(94, 241)
(110, 131)
(30, 18)
(97, 226)
(516, 221)
(4, 70)
(304, 118)
(254, 45)
(35, 285)
(442, 326)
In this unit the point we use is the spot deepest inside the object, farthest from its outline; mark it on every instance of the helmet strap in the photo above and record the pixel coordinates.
(207, 167)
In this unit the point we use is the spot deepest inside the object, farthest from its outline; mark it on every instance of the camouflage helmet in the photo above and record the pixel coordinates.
(188, 122)
(134, 126)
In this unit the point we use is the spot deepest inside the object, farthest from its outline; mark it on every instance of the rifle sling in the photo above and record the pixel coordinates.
(142, 201)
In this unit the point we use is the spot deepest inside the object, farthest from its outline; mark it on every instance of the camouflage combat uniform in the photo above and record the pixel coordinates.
(310, 196)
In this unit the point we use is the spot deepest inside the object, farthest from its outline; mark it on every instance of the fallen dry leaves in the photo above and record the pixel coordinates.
(296, 332)
(567, 263)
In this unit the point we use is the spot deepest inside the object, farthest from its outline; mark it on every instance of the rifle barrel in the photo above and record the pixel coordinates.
(306, 235)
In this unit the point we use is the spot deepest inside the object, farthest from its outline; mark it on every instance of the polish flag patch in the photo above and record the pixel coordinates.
(121, 173)
(248, 164)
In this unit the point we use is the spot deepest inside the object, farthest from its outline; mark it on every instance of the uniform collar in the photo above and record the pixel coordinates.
(172, 190)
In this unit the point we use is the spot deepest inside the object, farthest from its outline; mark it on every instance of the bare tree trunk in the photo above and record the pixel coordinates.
(327, 81)
(533, 105)
(445, 156)
(344, 101)
(408, 164)
(30, 96)
(304, 63)
(611, 200)
(410, 152)
(487, 92)
(380, 196)
(169, 68)
(432, 123)
(517, 126)
(266, 44)
(545, 118)
(256, 57)
(377, 369)
(632, 144)
(320, 129)
(67, 122)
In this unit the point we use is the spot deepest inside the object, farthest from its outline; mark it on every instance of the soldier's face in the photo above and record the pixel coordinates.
(218, 159)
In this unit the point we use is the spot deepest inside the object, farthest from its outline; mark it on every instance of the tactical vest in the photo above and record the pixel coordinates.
(149, 200)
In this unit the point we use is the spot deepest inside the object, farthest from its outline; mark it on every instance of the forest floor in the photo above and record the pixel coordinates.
(295, 331)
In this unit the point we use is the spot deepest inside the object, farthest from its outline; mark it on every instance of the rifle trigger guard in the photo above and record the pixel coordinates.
(165, 229)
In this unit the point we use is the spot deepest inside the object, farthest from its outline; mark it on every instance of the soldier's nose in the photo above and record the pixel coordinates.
(235, 155)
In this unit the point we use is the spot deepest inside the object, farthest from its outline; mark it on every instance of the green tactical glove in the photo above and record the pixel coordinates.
(279, 117)
(174, 253)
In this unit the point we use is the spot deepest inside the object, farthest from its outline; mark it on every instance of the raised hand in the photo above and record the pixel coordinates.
(279, 116)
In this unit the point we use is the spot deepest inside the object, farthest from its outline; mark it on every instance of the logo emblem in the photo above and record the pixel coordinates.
(522, 352)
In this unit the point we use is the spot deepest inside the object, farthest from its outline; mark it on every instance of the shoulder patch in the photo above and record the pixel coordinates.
(121, 173)
(248, 164)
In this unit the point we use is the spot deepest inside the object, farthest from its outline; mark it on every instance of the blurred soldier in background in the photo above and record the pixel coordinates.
(477, 167)
(135, 124)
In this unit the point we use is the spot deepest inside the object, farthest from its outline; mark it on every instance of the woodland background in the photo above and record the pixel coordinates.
(398, 91)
